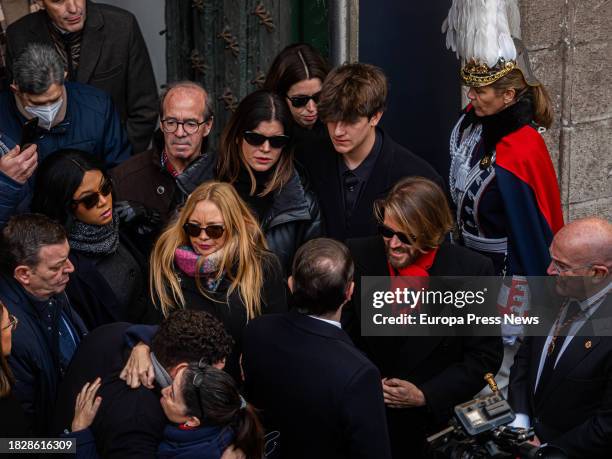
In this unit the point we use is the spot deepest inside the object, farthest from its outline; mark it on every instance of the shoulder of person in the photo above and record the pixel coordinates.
(112, 13)
(89, 97)
(142, 163)
(460, 261)
(363, 246)
(28, 21)
(405, 162)
(524, 144)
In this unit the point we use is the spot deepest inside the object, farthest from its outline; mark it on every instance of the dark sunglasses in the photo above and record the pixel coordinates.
(255, 139)
(301, 101)
(92, 200)
(212, 231)
(387, 232)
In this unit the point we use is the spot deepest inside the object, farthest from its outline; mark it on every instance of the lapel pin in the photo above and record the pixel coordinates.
(588, 344)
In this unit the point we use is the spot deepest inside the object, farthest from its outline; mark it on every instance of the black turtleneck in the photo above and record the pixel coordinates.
(259, 204)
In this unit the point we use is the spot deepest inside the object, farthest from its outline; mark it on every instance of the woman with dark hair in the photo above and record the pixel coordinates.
(297, 75)
(109, 283)
(13, 422)
(206, 412)
(256, 157)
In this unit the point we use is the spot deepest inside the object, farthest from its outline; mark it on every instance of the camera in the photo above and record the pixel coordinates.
(479, 430)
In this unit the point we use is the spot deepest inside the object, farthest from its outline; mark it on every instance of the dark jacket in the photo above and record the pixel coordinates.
(202, 443)
(97, 303)
(293, 219)
(130, 422)
(91, 125)
(393, 163)
(315, 387)
(33, 357)
(232, 312)
(114, 58)
(13, 422)
(14, 197)
(143, 179)
(449, 370)
(575, 410)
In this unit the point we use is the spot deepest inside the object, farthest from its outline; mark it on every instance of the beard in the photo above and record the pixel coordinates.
(402, 257)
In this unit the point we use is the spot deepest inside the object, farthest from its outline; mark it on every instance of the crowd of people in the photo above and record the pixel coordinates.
(161, 298)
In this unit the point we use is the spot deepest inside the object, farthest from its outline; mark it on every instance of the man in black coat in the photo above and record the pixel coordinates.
(362, 162)
(100, 45)
(304, 373)
(130, 422)
(562, 385)
(423, 377)
(35, 271)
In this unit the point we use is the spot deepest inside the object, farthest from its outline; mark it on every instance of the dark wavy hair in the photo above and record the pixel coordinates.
(295, 63)
(212, 396)
(187, 335)
(57, 178)
(261, 105)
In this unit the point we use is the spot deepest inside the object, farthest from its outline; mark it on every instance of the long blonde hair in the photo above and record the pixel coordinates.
(244, 252)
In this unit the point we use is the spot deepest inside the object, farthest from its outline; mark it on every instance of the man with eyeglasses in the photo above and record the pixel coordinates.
(361, 162)
(561, 384)
(161, 178)
(35, 270)
(423, 378)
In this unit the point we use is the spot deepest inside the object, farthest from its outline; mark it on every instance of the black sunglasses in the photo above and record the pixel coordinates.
(301, 101)
(92, 199)
(256, 139)
(387, 232)
(212, 231)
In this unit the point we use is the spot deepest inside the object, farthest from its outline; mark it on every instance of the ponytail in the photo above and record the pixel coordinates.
(542, 106)
(249, 433)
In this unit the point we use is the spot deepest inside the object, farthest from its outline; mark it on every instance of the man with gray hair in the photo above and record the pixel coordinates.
(561, 384)
(161, 178)
(70, 115)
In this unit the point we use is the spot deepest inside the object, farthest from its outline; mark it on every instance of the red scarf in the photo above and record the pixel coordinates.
(168, 165)
(404, 278)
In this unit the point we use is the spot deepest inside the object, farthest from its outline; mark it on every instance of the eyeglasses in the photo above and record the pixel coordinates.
(170, 125)
(560, 270)
(301, 101)
(92, 199)
(387, 232)
(13, 321)
(212, 231)
(256, 139)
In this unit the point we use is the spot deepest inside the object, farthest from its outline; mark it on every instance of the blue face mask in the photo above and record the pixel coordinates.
(46, 113)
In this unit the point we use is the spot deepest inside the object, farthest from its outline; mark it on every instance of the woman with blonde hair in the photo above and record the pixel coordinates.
(214, 257)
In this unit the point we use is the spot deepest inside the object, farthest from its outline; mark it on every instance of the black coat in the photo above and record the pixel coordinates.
(34, 357)
(293, 219)
(315, 387)
(13, 422)
(130, 422)
(114, 58)
(96, 302)
(575, 411)
(393, 163)
(449, 370)
(231, 311)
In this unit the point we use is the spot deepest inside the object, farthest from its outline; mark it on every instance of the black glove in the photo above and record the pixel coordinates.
(138, 217)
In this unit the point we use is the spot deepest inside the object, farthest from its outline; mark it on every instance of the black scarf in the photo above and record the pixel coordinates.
(259, 204)
(499, 125)
(68, 45)
(96, 240)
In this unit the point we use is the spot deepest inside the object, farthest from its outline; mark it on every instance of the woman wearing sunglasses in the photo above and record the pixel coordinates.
(256, 156)
(297, 75)
(109, 283)
(12, 421)
(213, 257)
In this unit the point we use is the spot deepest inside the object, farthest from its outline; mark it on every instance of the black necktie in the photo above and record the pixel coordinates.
(573, 310)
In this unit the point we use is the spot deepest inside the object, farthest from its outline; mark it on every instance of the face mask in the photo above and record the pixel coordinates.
(46, 113)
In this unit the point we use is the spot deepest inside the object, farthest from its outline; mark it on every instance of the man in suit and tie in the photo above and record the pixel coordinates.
(561, 384)
(423, 377)
(362, 162)
(302, 370)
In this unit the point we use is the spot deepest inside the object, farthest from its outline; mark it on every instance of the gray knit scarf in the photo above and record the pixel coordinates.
(97, 240)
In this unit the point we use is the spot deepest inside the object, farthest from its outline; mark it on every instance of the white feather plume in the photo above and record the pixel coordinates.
(482, 30)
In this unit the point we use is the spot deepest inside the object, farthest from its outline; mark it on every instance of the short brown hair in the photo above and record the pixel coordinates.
(420, 207)
(352, 91)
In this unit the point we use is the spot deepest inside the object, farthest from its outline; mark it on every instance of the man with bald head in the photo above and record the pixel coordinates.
(561, 384)
(161, 178)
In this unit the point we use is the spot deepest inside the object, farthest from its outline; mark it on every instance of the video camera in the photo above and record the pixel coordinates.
(480, 430)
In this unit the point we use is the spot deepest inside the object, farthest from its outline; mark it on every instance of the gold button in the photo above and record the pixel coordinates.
(588, 344)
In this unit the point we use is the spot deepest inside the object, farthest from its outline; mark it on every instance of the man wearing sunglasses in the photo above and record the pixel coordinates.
(35, 270)
(423, 377)
(161, 178)
(362, 162)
